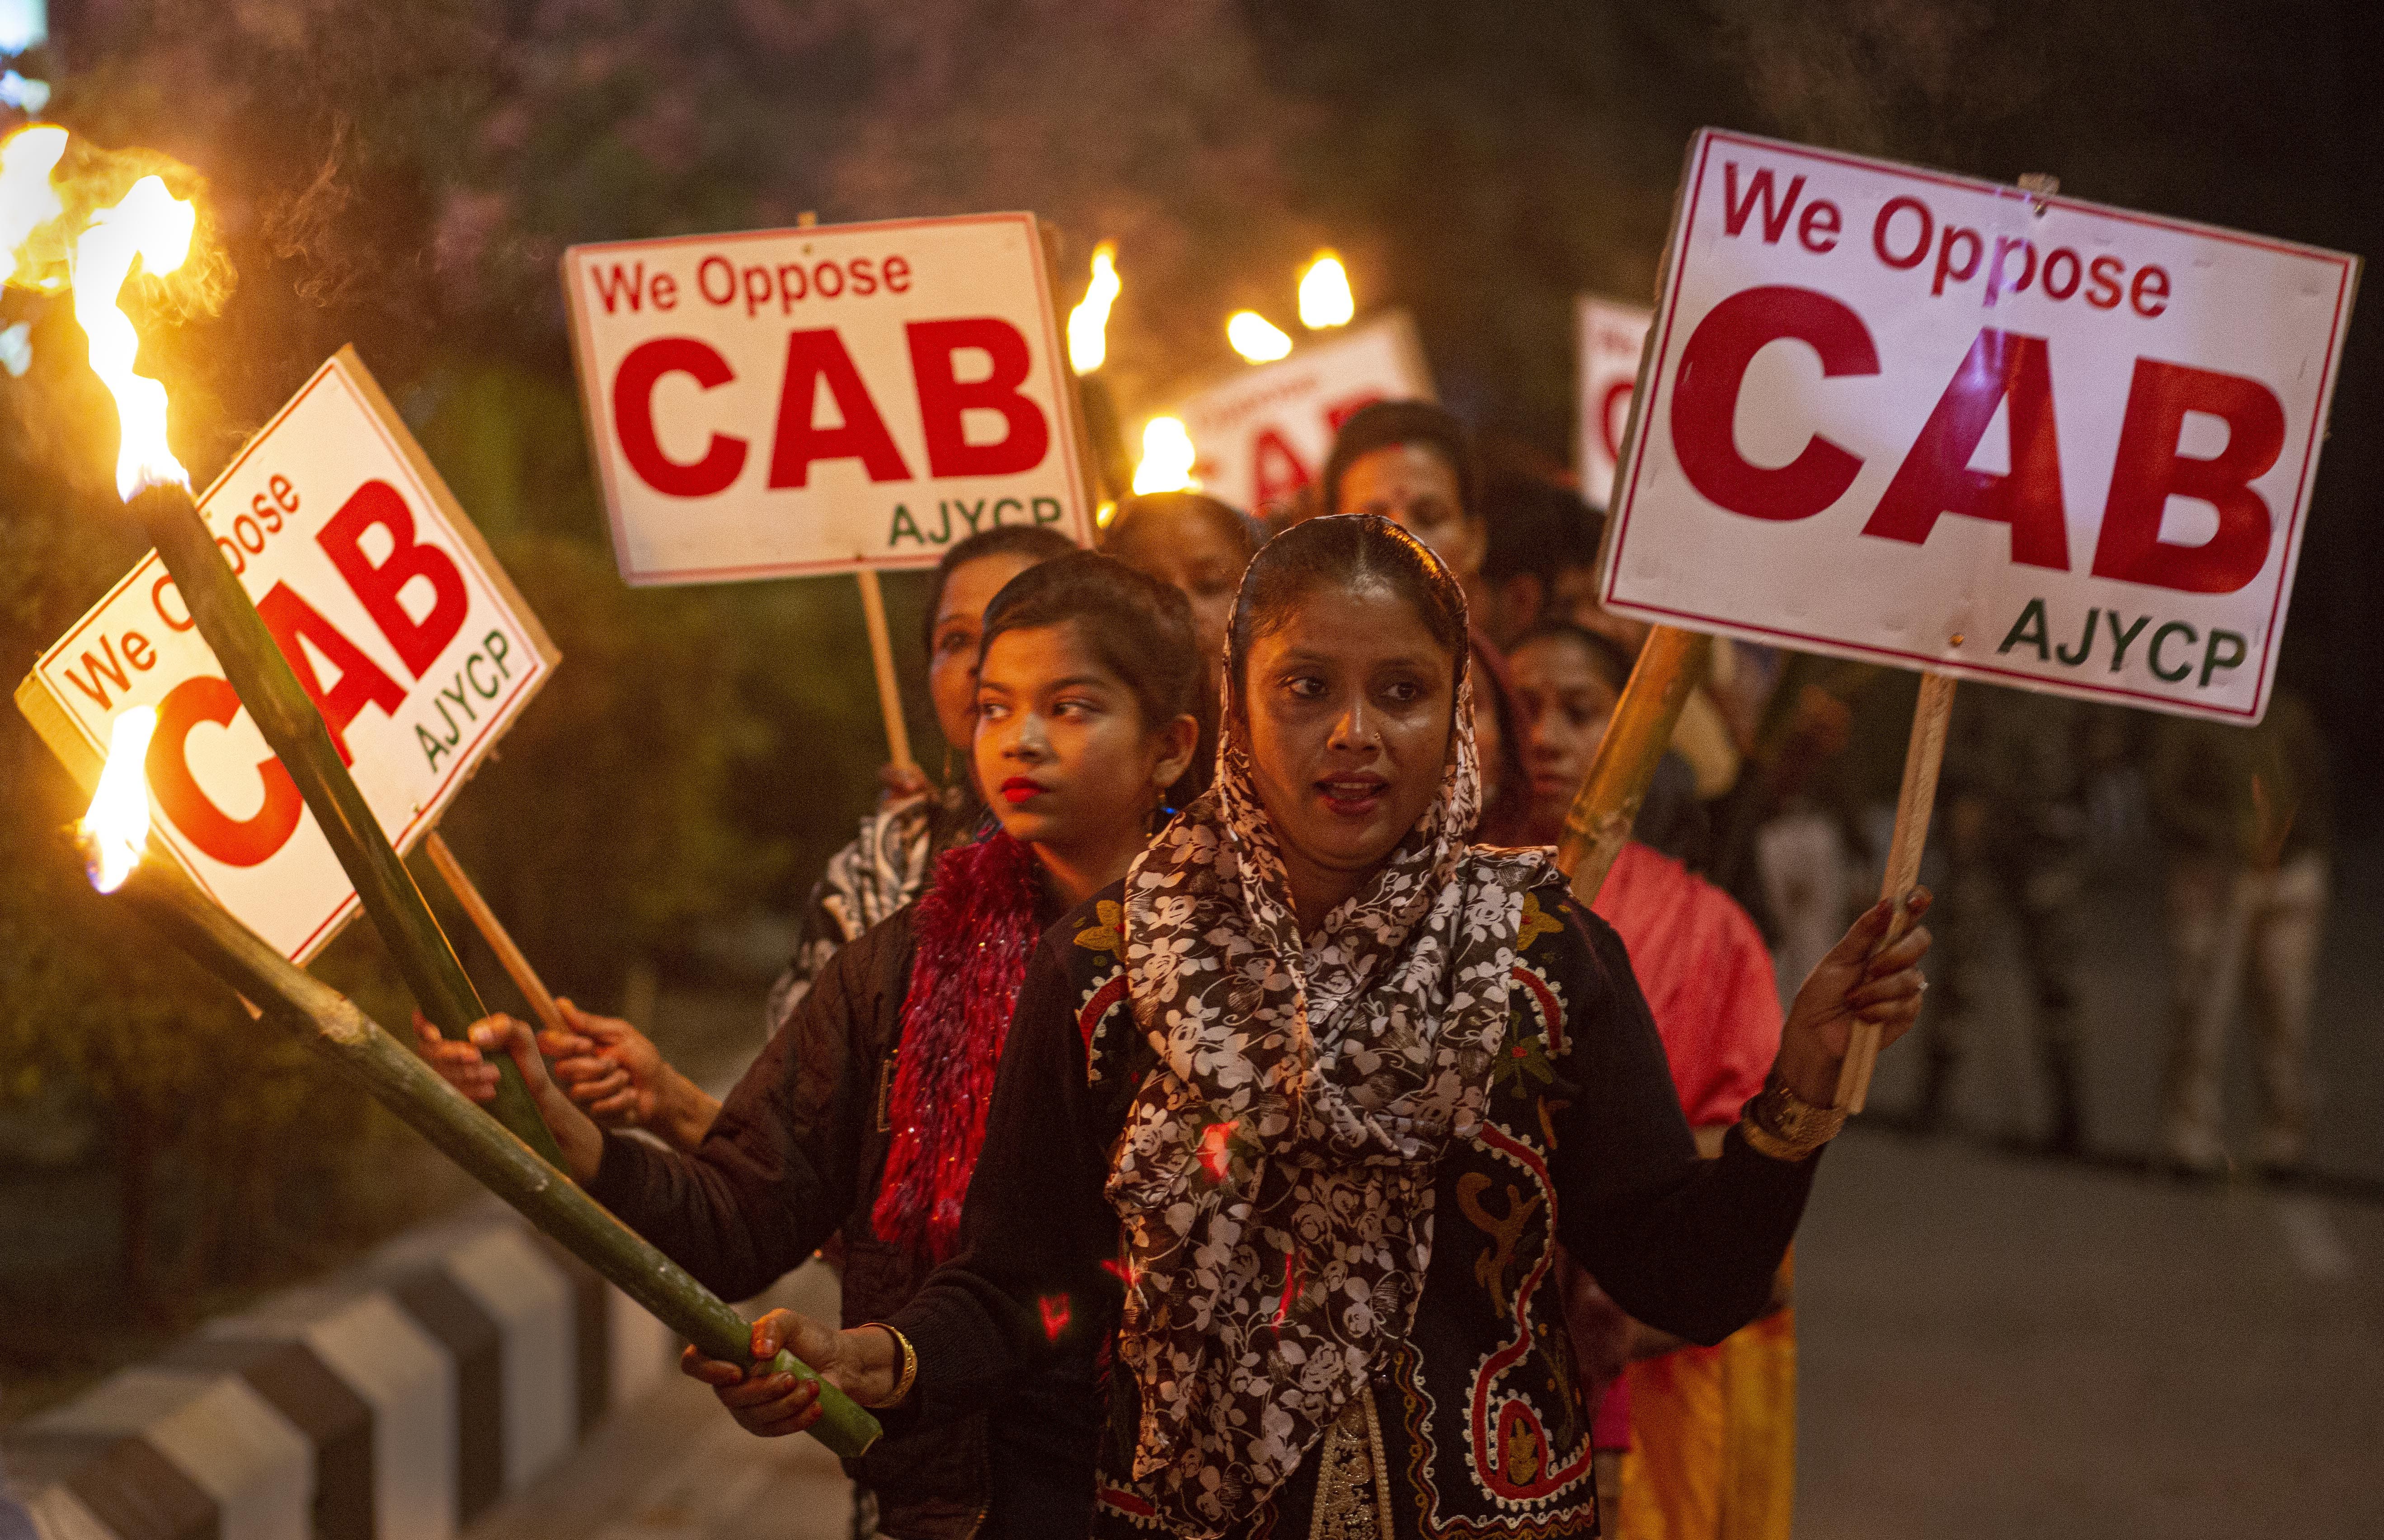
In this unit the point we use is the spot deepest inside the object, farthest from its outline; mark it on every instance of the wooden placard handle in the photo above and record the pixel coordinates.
(493, 930)
(1918, 798)
(881, 654)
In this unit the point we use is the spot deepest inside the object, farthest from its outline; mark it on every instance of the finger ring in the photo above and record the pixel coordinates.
(1924, 986)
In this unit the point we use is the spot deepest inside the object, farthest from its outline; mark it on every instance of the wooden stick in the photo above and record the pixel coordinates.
(293, 729)
(398, 1078)
(881, 652)
(1669, 666)
(1922, 758)
(492, 931)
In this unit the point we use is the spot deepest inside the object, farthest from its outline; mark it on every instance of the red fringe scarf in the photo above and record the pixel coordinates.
(975, 931)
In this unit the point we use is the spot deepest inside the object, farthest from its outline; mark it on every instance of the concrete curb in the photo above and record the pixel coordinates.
(396, 1401)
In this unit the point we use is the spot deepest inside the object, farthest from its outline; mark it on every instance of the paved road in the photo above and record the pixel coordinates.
(1997, 1347)
(675, 1467)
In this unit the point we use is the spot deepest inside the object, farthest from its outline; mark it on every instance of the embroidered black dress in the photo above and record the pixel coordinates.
(1474, 1427)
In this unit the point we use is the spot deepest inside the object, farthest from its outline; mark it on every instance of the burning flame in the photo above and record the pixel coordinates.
(116, 828)
(1324, 298)
(1089, 323)
(1166, 458)
(1255, 338)
(27, 199)
(152, 226)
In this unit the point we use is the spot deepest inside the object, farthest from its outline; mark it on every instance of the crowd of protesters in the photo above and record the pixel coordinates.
(1136, 1072)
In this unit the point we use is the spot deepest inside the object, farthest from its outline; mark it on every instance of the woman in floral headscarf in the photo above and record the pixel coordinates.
(1288, 1122)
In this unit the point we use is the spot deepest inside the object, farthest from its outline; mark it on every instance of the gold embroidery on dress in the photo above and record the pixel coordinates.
(1353, 1500)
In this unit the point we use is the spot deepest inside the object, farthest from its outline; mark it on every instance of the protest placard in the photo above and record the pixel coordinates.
(1611, 335)
(775, 403)
(1261, 433)
(1927, 420)
(397, 618)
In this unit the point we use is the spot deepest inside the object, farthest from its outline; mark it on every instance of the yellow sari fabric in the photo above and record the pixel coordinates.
(1713, 1430)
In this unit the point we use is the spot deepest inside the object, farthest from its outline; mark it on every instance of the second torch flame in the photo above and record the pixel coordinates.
(116, 828)
(1089, 323)
(151, 225)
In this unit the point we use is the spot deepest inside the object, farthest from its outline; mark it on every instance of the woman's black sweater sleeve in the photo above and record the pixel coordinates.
(1686, 1245)
(777, 1175)
(1028, 1279)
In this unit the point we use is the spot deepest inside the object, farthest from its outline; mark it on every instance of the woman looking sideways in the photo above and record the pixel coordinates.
(867, 1109)
(1290, 1119)
(613, 1070)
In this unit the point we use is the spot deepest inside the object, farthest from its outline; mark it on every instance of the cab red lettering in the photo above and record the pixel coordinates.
(615, 287)
(1276, 470)
(2102, 282)
(1819, 226)
(789, 293)
(1734, 209)
(2061, 289)
(864, 282)
(2004, 247)
(1935, 478)
(897, 276)
(2149, 294)
(233, 841)
(814, 357)
(1922, 237)
(1945, 270)
(293, 622)
(757, 289)
(2149, 471)
(98, 670)
(633, 418)
(138, 652)
(727, 276)
(1704, 401)
(665, 291)
(378, 588)
(822, 274)
(157, 602)
(945, 399)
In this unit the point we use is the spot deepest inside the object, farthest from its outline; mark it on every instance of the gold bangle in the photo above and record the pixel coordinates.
(1786, 1126)
(910, 1367)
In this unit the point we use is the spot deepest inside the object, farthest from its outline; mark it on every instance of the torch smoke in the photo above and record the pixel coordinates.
(154, 227)
(116, 828)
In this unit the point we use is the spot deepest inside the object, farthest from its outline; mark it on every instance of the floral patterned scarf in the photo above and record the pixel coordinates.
(1275, 1175)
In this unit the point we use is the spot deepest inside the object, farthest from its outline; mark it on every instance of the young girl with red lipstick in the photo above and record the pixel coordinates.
(867, 1111)
(1289, 1121)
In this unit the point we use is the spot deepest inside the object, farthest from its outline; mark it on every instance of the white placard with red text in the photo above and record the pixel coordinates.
(1912, 417)
(388, 606)
(1611, 335)
(775, 403)
(1261, 434)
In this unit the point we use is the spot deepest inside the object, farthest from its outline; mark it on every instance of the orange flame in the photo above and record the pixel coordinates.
(1167, 457)
(1324, 297)
(116, 828)
(1258, 340)
(1089, 344)
(27, 199)
(154, 227)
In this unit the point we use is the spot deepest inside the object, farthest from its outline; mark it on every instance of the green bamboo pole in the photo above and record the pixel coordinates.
(293, 729)
(1670, 663)
(399, 1079)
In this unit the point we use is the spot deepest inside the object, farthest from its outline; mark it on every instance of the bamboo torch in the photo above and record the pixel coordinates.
(369, 1057)
(152, 226)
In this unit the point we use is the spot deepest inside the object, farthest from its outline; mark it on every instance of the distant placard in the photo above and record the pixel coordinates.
(1911, 417)
(388, 606)
(1262, 433)
(775, 403)
(1610, 336)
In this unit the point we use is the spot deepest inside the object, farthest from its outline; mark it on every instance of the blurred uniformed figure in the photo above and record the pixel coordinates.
(2244, 817)
(2014, 790)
